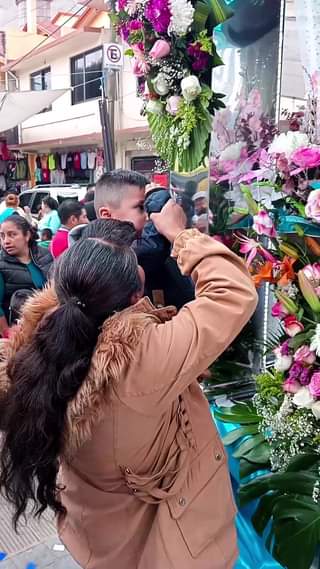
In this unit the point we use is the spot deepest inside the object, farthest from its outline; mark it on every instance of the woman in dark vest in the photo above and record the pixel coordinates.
(23, 265)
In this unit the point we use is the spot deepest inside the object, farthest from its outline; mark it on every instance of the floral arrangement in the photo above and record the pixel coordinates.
(277, 434)
(173, 54)
(239, 138)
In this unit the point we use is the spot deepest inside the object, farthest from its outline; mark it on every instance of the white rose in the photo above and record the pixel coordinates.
(286, 143)
(154, 107)
(232, 152)
(190, 87)
(283, 363)
(160, 84)
(315, 408)
(303, 398)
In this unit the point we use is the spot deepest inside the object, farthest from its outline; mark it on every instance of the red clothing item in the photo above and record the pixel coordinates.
(76, 161)
(60, 242)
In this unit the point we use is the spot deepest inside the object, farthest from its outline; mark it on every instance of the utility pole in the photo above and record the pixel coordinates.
(113, 61)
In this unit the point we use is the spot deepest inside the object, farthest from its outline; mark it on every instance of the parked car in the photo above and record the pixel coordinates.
(33, 198)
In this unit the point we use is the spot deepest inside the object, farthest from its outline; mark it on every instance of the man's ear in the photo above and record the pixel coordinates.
(136, 296)
(104, 213)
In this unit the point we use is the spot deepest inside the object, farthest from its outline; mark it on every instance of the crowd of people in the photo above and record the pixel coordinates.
(102, 367)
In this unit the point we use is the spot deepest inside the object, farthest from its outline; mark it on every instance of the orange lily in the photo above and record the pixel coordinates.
(264, 275)
(286, 271)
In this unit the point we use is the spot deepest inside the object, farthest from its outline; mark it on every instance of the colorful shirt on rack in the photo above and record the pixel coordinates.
(52, 162)
(84, 160)
(63, 161)
(92, 160)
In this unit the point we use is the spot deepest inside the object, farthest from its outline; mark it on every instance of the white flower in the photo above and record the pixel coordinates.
(282, 363)
(315, 408)
(315, 341)
(182, 13)
(160, 84)
(303, 398)
(232, 152)
(288, 142)
(190, 87)
(154, 107)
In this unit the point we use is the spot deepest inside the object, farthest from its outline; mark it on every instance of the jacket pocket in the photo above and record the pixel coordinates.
(204, 510)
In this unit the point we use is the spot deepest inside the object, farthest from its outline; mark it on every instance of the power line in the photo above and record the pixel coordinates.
(34, 10)
(50, 35)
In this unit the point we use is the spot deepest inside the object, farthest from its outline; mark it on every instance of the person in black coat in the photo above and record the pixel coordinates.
(23, 264)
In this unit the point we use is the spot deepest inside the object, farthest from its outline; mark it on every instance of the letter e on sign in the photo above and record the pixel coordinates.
(113, 55)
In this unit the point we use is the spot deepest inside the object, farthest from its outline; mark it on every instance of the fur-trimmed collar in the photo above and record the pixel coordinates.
(119, 336)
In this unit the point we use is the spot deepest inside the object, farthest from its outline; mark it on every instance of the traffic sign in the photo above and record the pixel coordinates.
(113, 55)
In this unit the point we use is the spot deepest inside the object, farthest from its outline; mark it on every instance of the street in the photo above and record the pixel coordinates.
(36, 543)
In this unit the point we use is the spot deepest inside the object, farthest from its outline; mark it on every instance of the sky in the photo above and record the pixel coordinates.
(8, 10)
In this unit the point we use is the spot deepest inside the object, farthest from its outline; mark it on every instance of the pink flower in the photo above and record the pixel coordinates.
(173, 103)
(161, 48)
(312, 208)
(292, 326)
(263, 224)
(312, 273)
(140, 67)
(282, 164)
(279, 311)
(291, 386)
(314, 385)
(306, 157)
(304, 355)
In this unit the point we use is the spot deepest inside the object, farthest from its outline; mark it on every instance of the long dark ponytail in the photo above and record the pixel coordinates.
(92, 280)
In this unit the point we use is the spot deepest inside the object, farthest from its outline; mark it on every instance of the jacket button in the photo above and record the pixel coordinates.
(218, 456)
(182, 502)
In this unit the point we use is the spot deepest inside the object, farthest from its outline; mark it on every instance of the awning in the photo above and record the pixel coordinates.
(18, 106)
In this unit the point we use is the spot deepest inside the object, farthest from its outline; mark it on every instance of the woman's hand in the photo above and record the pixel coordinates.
(170, 221)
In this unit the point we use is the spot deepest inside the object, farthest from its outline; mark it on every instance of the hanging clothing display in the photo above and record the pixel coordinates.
(81, 166)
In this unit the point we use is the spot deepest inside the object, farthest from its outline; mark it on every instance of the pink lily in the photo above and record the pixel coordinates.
(252, 248)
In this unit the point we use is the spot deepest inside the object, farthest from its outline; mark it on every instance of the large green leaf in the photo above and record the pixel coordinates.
(296, 483)
(247, 446)
(304, 461)
(219, 13)
(263, 513)
(296, 526)
(242, 413)
(247, 467)
(202, 11)
(237, 434)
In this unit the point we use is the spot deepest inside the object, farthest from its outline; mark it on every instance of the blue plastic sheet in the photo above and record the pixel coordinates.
(253, 553)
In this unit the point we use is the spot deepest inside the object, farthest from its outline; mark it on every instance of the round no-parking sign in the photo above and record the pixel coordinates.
(113, 55)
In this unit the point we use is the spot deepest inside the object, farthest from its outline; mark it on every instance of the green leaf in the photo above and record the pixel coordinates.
(247, 467)
(303, 462)
(236, 434)
(263, 513)
(247, 446)
(129, 52)
(242, 413)
(296, 525)
(298, 483)
(202, 11)
(259, 454)
(219, 12)
(300, 339)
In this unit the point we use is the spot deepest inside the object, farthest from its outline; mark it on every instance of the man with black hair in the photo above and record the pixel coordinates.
(71, 214)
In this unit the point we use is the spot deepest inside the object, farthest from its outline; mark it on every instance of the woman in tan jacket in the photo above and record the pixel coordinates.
(104, 420)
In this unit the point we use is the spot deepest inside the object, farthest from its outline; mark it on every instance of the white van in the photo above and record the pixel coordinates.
(33, 198)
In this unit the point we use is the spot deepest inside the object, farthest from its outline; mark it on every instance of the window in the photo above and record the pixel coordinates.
(41, 80)
(86, 75)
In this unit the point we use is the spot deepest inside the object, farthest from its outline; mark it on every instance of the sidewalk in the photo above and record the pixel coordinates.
(35, 543)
